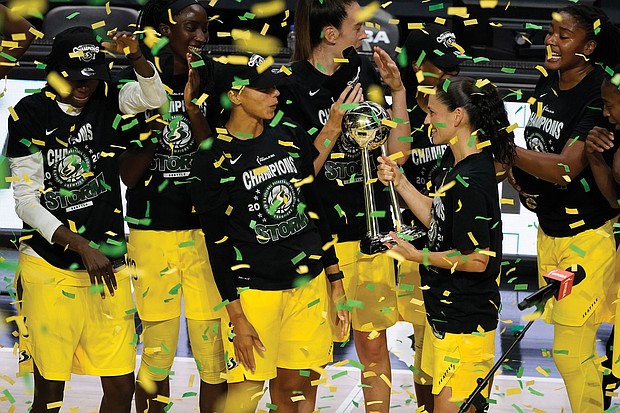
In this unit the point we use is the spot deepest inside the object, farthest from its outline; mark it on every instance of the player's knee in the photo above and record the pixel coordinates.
(370, 350)
(156, 366)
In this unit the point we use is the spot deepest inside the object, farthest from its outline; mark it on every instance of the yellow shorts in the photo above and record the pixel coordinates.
(167, 266)
(291, 324)
(370, 284)
(410, 301)
(595, 251)
(73, 330)
(457, 360)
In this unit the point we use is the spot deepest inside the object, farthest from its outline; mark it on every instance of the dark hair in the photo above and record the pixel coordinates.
(486, 112)
(611, 74)
(154, 13)
(311, 17)
(607, 40)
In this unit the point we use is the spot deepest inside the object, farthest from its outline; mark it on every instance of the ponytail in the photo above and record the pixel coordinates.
(486, 112)
(311, 17)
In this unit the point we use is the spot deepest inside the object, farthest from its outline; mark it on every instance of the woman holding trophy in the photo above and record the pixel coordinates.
(461, 261)
(327, 78)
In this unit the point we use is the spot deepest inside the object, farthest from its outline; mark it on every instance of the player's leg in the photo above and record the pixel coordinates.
(117, 393)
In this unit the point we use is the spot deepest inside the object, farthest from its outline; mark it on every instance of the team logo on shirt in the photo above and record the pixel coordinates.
(177, 137)
(69, 171)
(279, 199)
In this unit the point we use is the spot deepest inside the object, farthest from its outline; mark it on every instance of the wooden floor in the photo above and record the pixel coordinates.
(340, 394)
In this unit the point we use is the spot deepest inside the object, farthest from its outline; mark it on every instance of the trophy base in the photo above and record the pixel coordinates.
(374, 244)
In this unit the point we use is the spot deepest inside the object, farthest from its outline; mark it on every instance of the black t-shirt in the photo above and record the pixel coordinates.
(466, 218)
(257, 218)
(305, 99)
(566, 115)
(80, 170)
(161, 200)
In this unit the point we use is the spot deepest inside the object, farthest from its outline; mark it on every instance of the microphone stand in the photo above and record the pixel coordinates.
(476, 398)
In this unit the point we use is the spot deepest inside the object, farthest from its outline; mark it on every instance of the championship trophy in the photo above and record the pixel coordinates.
(363, 127)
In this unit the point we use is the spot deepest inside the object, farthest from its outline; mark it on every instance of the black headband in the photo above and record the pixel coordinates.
(179, 5)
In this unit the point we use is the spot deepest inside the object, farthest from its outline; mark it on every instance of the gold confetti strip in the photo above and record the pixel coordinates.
(412, 26)
(542, 70)
(507, 201)
(366, 13)
(440, 20)
(268, 9)
(472, 238)
(488, 4)
(18, 36)
(487, 252)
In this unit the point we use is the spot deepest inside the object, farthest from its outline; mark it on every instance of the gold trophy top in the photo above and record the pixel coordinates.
(363, 125)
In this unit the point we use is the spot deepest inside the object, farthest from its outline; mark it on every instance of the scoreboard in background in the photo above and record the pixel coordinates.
(519, 224)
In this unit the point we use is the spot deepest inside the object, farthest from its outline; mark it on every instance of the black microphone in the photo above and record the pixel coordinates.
(560, 284)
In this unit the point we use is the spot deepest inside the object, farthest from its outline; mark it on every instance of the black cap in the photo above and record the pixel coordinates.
(251, 75)
(437, 42)
(79, 53)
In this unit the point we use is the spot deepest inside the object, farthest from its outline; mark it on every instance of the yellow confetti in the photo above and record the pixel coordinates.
(480, 83)
(9, 44)
(107, 8)
(98, 24)
(13, 114)
(507, 201)
(18, 36)
(542, 371)
(264, 29)
(460, 204)
(513, 391)
(470, 22)
(440, 20)
(239, 267)
(266, 65)
(59, 84)
(488, 4)
(170, 19)
(577, 224)
(366, 13)
(483, 144)
(389, 123)
(268, 9)
(539, 109)
(487, 252)
(542, 70)
(54, 405)
(458, 11)
(36, 33)
(472, 238)
(413, 26)
(572, 211)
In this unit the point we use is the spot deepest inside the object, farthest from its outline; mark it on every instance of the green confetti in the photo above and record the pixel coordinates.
(435, 7)
(586, 187)
(575, 139)
(130, 125)
(377, 214)
(189, 243)
(445, 86)
(420, 58)
(238, 255)
(577, 250)
(357, 364)
(68, 294)
(96, 289)
(116, 121)
(341, 374)
(347, 106)
(9, 396)
(313, 303)
(197, 63)
(131, 311)
(163, 186)
(189, 394)
(221, 305)
(271, 406)
(159, 45)
(462, 180)
(175, 290)
(276, 119)
(533, 26)
(304, 373)
(93, 244)
(312, 131)
(509, 70)
(146, 292)
(520, 287)
(296, 259)
(451, 359)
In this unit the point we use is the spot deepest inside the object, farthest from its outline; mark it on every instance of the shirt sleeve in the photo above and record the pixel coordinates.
(592, 116)
(211, 201)
(312, 197)
(27, 194)
(471, 217)
(146, 93)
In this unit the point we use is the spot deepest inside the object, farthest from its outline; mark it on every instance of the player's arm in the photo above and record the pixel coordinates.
(599, 140)
(14, 28)
(391, 76)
